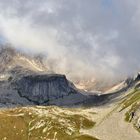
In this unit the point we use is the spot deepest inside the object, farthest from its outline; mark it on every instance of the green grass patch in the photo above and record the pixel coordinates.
(134, 107)
(132, 98)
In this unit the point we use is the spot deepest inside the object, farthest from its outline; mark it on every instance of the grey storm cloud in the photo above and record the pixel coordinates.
(81, 38)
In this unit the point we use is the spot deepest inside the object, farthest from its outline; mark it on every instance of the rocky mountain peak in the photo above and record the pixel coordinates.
(10, 59)
(6, 57)
(7, 51)
(137, 77)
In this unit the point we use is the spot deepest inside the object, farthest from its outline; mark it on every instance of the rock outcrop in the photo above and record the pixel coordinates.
(25, 80)
(42, 89)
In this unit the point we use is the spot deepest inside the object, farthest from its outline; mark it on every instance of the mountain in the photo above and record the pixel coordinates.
(11, 59)
(115, 120)
(25, 80)
(40, 104)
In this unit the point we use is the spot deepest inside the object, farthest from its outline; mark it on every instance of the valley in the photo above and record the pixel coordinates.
(69, 70)
(39, 105)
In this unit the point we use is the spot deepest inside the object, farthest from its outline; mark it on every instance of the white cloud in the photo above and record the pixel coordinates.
(83, 39)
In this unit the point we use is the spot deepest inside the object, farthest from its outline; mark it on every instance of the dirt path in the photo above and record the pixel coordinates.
(115, 128)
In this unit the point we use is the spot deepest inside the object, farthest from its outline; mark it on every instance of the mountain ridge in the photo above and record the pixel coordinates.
(27, 78)
(35, 94)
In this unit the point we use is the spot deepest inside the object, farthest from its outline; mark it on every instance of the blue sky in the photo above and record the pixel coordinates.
(2, 40)
(107, 3)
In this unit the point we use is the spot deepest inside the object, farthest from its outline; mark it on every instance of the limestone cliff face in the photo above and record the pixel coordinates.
(46, 88)
(25, 80)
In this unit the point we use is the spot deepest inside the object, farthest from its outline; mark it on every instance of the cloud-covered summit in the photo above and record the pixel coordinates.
(90, 39)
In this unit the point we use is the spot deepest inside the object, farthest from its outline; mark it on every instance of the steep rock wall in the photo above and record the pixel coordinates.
(45, 88)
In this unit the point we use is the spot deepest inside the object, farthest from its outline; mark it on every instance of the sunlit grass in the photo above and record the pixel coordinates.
(132, 109)
(44, 124)
(132, 98)
(132, 104)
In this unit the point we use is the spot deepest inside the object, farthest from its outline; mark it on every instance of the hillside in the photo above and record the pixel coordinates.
(25, 80)
(43, 123)
(10, 58)
(29, 91)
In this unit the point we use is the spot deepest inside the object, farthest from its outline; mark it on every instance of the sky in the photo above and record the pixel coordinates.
(84, 39)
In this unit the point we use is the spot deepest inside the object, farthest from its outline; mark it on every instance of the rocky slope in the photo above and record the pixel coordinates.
(48, 89)
(123, 119)
(25, 81)
(11, 58)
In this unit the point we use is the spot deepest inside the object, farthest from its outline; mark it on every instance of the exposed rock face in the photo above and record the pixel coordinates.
(55, 89)
(25, 80)
(44, 88)
(10, 58)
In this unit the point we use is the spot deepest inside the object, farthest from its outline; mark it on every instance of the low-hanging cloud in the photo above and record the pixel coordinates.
(85, 39)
